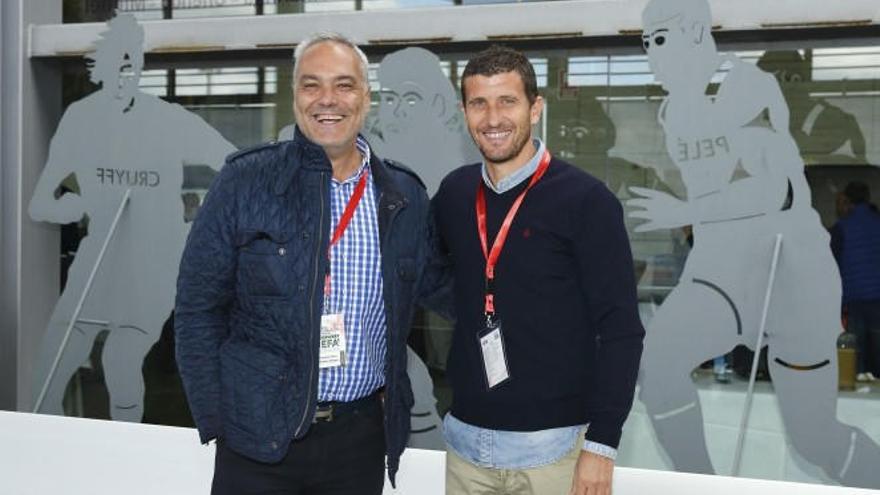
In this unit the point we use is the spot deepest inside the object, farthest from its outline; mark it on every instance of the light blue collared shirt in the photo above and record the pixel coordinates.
(518, 175)
(500, 449)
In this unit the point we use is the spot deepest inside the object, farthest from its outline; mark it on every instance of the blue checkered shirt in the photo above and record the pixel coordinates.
(356, 292)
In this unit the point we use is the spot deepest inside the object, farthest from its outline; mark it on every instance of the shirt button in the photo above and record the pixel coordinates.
(282, 251)
(274, 445)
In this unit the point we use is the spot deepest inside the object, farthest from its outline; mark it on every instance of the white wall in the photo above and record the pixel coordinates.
(41, 455)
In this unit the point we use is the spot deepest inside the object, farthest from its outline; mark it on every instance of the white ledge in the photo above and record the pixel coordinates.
(51, 454)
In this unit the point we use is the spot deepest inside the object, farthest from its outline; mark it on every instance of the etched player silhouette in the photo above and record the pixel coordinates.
(745, 184)
(114, 139)
(418, 122)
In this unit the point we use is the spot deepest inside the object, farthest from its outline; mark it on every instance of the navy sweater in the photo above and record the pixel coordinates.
(565, 295)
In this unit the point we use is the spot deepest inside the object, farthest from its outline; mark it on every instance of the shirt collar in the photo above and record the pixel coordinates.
(517, 177)
(364, 149)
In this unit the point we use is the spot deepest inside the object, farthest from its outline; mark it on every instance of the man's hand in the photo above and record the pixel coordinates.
(592, 475)
(661, 210)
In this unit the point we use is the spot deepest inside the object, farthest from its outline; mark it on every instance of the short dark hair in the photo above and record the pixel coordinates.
(499, 59)
(857, 192)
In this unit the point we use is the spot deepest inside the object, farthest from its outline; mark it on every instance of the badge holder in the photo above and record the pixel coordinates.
(491, 342)
(333, 344)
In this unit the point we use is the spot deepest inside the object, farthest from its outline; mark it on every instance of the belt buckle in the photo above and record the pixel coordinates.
(323, 415)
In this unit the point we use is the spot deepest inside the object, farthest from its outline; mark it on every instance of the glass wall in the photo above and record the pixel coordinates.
(601, 115)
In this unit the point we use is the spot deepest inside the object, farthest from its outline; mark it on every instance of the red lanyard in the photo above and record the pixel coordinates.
(345, 220)
(498, 245)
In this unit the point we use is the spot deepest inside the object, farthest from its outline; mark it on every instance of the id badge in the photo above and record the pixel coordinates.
(332, 350)
(494, 358)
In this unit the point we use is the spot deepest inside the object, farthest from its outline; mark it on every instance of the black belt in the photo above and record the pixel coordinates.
(327, 412)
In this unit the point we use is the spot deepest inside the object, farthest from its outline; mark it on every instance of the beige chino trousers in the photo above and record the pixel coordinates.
(464, 478)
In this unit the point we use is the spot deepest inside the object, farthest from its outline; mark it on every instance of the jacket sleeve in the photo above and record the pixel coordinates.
(608, 282)
(436, 290)
(205, 289)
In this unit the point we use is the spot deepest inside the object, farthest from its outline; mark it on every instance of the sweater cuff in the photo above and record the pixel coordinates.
(604, 433)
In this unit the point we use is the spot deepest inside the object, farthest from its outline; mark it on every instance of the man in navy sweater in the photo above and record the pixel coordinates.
(547, 336)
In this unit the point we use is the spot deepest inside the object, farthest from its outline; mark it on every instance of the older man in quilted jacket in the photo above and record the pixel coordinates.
(295, 297)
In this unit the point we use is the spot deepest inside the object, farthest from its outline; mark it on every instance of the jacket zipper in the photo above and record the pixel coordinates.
(308, 407)
(395, 209)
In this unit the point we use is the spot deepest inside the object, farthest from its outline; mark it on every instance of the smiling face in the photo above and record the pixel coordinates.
(331, 97)
(499, 117)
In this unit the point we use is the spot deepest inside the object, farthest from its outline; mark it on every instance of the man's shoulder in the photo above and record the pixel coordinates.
(463, 175)
(256, 152)
(575, 186)
(573, 176)
(261, 155)
(403, 171)
(256, 165)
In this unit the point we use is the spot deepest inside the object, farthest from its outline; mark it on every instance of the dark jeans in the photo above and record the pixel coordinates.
(345, 456)
(863, 320)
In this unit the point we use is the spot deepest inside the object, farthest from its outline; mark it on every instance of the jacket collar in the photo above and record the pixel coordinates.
(299, 152)
(385, 183)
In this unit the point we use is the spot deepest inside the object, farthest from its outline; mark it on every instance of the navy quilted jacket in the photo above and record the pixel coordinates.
(249, 296)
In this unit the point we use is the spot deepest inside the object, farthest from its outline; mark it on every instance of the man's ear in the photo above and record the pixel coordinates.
(536, 110)
(368, 100)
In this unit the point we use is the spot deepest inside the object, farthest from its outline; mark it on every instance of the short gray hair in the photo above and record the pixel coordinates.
(329, 36)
